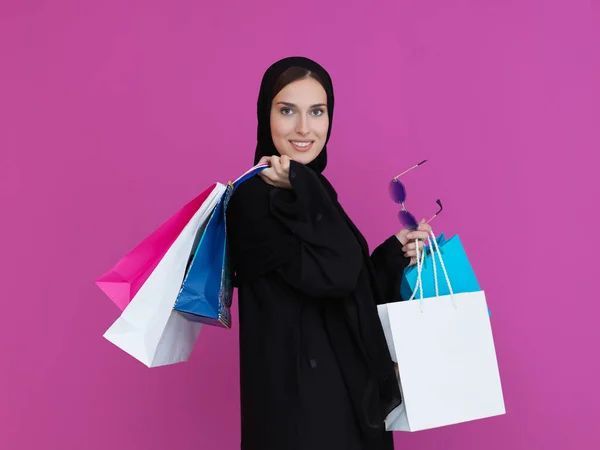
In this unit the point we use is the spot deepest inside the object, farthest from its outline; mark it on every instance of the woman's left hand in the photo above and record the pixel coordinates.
(409, 240)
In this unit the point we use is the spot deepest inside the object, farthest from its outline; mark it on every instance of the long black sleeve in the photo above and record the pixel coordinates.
(298, 233)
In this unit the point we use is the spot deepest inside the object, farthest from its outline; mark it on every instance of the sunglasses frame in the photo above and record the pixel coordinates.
(395, 180)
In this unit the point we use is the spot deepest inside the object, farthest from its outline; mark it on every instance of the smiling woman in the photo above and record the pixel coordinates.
(299, 126)
(315, 370)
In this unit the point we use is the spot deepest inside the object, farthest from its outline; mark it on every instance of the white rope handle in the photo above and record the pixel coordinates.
(418, 284)
(435, 280)
(439, 253)
(434, 248)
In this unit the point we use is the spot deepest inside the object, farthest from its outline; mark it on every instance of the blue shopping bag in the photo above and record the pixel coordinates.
(458, 267)
(207, 289)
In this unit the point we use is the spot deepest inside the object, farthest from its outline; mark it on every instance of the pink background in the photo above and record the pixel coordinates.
(113, 114)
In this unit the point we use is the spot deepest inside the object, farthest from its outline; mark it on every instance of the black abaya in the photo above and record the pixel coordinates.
(315, 370)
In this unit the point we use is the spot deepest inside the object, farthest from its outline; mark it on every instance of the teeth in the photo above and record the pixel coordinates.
(302, 144)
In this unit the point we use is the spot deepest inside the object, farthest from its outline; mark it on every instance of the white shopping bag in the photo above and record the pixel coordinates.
(446, 358)
(149, 329)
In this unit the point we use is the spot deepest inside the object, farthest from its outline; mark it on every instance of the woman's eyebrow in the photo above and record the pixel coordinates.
(291, 105)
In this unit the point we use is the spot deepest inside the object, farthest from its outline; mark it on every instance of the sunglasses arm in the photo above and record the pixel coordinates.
(408, 170)
(439, 202)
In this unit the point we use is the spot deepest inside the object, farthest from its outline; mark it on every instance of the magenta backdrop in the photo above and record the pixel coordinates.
(115, 113)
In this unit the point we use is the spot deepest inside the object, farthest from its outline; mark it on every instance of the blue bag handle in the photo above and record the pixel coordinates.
(249, 174)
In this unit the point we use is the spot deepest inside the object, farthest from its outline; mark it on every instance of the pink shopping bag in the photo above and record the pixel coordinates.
(124, 280)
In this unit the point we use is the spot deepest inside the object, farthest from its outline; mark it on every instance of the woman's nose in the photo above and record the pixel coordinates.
(302, 126)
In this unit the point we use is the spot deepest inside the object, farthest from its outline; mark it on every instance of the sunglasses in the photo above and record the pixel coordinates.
(398, 194)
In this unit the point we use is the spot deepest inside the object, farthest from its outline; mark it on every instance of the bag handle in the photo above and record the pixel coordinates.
(249, 174)
(434, 249)
(439, 253)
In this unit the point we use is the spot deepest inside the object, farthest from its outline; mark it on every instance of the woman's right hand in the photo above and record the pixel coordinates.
(278, 174)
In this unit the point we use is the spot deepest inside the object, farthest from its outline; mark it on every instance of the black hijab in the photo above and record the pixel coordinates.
(264, 141)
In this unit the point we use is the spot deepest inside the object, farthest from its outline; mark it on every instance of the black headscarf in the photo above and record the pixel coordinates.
(264, 141)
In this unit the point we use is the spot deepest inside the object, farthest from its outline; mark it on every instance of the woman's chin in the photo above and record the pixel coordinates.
(304, 157)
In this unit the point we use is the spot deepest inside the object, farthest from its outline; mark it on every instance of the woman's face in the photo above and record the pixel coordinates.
(299, 120)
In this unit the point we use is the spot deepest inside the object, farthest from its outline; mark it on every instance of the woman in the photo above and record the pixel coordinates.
(315, 367)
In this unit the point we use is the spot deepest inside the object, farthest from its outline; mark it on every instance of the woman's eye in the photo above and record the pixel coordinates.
(317, 112)
(286, 111)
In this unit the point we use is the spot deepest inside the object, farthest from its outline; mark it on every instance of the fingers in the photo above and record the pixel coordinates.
(276, 164)
(281, 165)
(410, 249)
(278, 174)
(409, 239)
(424, 226)
(267, 176)
(283, 160)
(264, 178)
(285, 163)
(422, 235)
(265, 160)
(412, 245)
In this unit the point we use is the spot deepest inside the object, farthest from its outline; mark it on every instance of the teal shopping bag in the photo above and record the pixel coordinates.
(458, 267)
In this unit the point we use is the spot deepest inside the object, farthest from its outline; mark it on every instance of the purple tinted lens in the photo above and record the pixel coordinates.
(397, 191)
(408, 220)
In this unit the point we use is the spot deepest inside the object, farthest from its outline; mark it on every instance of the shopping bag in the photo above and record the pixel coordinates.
(459, 269)
(122, 282)
(444, 348)
(148, 328)
(207, 289)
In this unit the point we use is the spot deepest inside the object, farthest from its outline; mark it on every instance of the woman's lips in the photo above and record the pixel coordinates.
(302, 146)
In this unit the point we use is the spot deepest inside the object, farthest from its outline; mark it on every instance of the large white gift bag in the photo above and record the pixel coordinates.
(444, 348)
